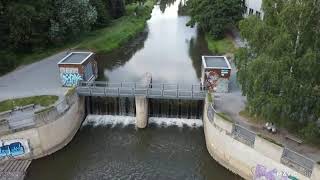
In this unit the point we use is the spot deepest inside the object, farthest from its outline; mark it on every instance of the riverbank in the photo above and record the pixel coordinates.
(220, 46)
(105, 39)
(229, 143)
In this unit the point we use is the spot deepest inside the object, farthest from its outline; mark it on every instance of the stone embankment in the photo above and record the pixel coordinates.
(252, 156)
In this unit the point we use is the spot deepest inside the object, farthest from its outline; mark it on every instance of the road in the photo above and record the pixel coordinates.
(40, 78)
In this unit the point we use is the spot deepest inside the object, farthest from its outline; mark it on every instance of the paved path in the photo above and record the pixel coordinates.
(40, 78)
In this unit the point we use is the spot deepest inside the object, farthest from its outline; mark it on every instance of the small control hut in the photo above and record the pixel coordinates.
(77, 66)
(216, 72)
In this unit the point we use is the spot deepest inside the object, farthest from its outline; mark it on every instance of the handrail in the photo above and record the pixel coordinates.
(153, 90)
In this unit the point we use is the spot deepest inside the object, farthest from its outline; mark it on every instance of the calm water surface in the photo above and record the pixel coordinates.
(171, 52)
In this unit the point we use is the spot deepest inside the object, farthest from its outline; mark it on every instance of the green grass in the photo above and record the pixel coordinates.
(270, 140)
(106, 39)
(221, 46)
(224, 116)
(119, 32)
(44, 101)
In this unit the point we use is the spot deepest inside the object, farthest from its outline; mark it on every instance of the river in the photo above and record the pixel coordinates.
(110, 147)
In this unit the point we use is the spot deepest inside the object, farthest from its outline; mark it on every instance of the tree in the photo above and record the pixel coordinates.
(103, 14)
(214, 16)
(70, 18)
(279, 70)
(24, 24)
(117, 8)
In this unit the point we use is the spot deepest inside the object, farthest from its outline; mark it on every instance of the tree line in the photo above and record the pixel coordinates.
(26, 25)
(31, 26)
(279, 69)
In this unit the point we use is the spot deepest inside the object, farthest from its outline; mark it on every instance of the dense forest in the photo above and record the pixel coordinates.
(33, 26)
(279, 70)
(215, 16)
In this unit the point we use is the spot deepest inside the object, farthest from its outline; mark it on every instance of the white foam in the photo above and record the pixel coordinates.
(165, 122)
(105, 120)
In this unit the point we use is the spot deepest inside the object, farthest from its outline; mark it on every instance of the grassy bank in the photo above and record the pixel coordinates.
(221, 46)
(120, 31)
(105, 39)
(37, 100)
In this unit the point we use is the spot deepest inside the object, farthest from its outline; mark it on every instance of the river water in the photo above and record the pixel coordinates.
(110, 147)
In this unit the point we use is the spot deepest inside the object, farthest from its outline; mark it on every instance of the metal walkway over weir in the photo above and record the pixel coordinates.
(152, 90)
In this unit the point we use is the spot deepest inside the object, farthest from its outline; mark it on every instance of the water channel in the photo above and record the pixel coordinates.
(173, 145)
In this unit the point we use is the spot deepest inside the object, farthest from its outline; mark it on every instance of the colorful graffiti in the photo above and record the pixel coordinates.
(70, 79)
(13, 148)
(262, 173)
(212, 78)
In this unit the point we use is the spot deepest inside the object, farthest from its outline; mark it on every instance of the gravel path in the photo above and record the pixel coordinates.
(40, 78)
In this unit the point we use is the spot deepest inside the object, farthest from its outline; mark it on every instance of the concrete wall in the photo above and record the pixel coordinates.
(240, 158)
(268, 149)
(316, 172)
(53, 136)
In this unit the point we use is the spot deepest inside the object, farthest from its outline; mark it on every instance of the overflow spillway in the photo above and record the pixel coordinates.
(126, 106)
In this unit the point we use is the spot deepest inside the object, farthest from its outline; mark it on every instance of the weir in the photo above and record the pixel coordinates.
(143, 99)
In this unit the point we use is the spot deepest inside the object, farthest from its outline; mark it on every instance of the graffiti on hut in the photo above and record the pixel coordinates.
(212, 78)
(262, 173)
(70, 79)
(13, 148)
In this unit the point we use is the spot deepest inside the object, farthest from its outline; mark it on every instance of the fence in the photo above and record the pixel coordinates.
(297, 162)
(38, 119)
(210, 113)
(289, 158)
(244, 135)
(154, 90)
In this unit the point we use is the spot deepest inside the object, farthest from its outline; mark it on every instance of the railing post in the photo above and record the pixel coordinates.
(177, 90)
(162, 90)
(119, 92)
(133, 93)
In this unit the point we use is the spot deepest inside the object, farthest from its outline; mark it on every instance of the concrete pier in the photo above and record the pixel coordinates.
(142, 103)
(141, 111)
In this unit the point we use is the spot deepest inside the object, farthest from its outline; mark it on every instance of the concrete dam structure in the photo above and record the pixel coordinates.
(133, 98)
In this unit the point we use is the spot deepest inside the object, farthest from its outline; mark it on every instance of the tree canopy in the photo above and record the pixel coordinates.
(279, 70)
(214, 16)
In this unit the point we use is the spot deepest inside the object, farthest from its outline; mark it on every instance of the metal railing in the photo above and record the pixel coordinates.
(244, 135)
(289, 158)
(297, 162)
(210, 113)
(154, 90)
(38, 119)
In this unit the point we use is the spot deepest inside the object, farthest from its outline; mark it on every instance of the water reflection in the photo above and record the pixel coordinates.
(170, 51)
(163, 4)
